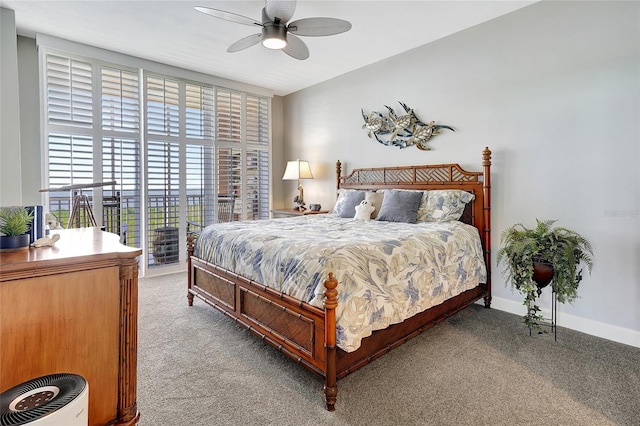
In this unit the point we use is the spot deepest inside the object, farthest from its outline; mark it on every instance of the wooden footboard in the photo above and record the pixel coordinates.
(294, 327)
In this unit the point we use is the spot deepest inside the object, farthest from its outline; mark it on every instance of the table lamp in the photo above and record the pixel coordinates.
(296, 170)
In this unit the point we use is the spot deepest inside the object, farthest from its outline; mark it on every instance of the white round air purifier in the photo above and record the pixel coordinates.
(53, 400)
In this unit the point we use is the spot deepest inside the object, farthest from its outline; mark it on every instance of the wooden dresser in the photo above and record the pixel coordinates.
(73, 308)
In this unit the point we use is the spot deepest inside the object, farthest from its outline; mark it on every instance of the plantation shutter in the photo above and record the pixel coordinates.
(121, 154)
(199, 112)
(257, 121)
(70, 163)
(122, 202)
(257, 175)
(163, 170)
(69, 92)
(200, 155)
(120, 100)
(200, 185)
(162, 106)
(229, 177)
(163, 202)
(257, 184)
(69, 118)
(228, 116)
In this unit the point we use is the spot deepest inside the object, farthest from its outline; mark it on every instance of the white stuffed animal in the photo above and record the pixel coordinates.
(51, 220)
(364, 210)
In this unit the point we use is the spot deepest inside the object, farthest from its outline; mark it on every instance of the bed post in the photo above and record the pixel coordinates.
(190, 242)
(486, 189)
(338, 173)
(330, 303)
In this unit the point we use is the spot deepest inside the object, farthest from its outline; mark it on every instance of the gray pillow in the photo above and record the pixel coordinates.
(347, 206)
(400, 206)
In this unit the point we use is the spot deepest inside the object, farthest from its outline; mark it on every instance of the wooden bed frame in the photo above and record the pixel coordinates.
(306, 333)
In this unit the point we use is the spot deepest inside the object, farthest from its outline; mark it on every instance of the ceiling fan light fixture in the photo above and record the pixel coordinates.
(274, 37)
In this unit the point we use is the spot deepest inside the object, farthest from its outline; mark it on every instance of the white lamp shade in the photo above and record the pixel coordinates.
(297, 169)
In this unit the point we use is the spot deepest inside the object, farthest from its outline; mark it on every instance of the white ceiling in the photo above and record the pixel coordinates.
(174, 33)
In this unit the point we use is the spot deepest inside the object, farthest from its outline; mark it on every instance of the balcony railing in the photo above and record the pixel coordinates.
(121, 216)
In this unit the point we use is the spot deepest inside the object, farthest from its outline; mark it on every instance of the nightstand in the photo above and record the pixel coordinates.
(290, 212)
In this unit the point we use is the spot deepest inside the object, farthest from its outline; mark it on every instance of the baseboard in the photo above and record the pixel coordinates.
(583, 325)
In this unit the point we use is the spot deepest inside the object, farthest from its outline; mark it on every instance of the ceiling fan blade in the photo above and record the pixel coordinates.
(245, 42)
(316, 27)
(296, 48)
(281, 9)
(228, 16)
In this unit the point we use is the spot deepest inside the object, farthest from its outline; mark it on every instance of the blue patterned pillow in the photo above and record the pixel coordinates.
(347, 201)
(400, 206)
(444, 205)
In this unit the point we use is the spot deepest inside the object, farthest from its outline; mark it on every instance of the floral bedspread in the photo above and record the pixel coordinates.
(386, 271)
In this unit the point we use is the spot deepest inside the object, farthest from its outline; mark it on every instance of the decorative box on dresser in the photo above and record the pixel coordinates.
(73, 308)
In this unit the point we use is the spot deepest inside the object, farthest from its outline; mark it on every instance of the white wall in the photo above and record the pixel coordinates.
(553, 90)
(278, 162)
(10, 155)
(30, 144)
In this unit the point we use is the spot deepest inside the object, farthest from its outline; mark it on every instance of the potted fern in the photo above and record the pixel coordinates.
(14, 227)
(542, 255)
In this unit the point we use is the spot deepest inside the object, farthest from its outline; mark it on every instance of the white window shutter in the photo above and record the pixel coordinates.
(257, 121)
(121, 162)
(257, 184)
(70, 163)
(69, 91)
(121, 153)
(228, 116)
(163, 202)
(120, 100)
(162, 106)
(229, 177)
(200, 185)
(199, 112)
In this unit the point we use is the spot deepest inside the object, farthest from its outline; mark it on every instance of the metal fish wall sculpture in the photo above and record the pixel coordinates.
(401, 131)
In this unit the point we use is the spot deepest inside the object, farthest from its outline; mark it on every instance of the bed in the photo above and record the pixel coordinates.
(334, 317)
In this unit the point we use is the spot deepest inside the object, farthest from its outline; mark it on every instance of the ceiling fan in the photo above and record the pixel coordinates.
(276, 33)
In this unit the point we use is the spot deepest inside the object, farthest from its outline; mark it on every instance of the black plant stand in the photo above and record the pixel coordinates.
(550, 322)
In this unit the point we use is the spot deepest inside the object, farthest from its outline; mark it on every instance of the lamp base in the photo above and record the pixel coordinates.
(298, 204)
(298, 201)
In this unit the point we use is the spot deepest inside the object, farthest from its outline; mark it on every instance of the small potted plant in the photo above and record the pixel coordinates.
(542, 255)
(14, 227)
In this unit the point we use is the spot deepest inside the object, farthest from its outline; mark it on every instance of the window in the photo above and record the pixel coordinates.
(121, 153)
(89, 146)
(152, 152)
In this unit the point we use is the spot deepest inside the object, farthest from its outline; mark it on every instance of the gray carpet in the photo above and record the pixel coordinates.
(480, 367)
